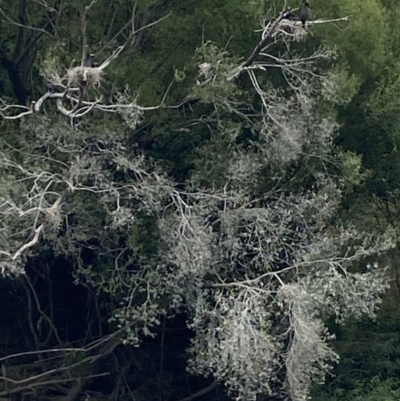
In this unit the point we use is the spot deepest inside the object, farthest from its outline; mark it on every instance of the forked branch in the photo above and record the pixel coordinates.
(70, 90)
(287, 30)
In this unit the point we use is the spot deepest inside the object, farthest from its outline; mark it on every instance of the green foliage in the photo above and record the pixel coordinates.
(223, 208)
(351, 164)
(368, 369)
(214, 69)
(361, 42)
(384, 103)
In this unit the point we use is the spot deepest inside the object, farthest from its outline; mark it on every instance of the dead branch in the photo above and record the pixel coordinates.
(45, 351)
(29, 244)
(37, 231)
(75, 112)
(78, 81)
(84, 33)
(59, 372)
(35, 380)
(280, 27)
(266, 38)
(40, 310)
(133, 31)
(201, 392)
(30, 386)
(24, 51)
(8, 20)
(74, 391)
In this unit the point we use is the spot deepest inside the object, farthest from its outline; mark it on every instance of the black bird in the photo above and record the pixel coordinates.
(303, 15)
(89, 60)
(290, 16)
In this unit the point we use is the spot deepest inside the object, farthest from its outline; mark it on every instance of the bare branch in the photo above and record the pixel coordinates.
(8, 20)
(45, 351)
(29, 244)
(30, 386)
(84, 33)
(280, 26)
(201, 392)
(79, 80)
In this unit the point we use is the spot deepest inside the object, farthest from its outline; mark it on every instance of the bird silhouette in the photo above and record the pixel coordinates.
(288, 14)
(303, 15)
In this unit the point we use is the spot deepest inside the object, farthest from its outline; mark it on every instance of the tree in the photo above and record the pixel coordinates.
(249, 247)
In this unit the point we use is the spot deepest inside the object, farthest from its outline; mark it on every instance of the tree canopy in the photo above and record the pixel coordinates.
(186, 192)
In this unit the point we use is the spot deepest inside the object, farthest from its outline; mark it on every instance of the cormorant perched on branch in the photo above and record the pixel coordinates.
(89, 60)
(303, 15)
(289, 15)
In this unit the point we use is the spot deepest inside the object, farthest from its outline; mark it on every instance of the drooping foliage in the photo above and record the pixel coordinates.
(197, 191)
